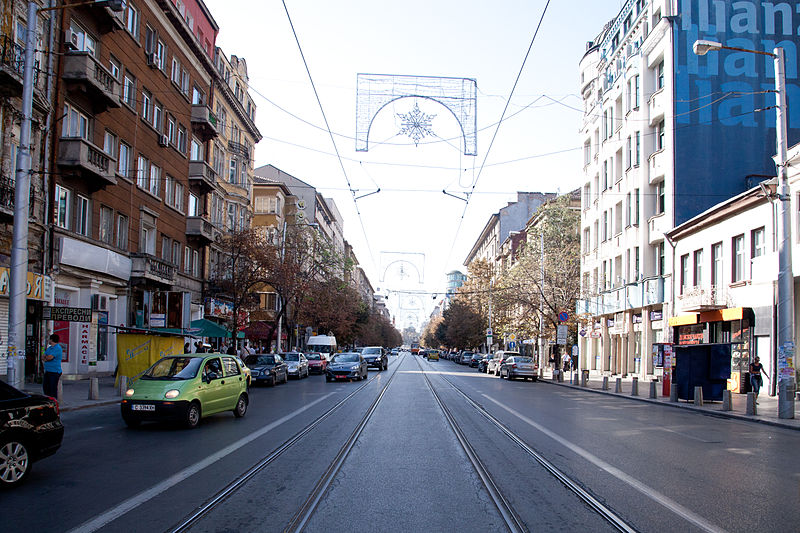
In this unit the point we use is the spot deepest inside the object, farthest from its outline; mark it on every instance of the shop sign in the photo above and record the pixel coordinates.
(67, 314)
(39, 287)
(596, 335)
(158, 320)
(637, 319)
(691, 334)
(84, 338)
(218, 308)
(656, 315)
(610, 323)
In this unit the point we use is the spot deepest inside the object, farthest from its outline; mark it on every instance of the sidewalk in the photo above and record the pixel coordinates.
(767, 408)
(75, 393)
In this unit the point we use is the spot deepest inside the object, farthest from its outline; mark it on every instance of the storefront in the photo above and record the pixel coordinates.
(39, 292)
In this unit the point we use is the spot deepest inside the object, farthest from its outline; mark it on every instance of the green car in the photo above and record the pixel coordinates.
(185, 388)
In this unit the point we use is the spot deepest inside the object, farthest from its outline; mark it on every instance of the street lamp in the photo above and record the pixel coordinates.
(786, 376)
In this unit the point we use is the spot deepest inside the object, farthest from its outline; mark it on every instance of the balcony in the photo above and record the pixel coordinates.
(88, 75)
(149, 267)
(657, 166)
(89, 161)
(202, 175)
(653, 291)
(697, 299)
(656, 105)
(201, 229)
(7, 195)
(658, 225)
(108, 19)
(238, 149)
(204, 122)
(12, 63)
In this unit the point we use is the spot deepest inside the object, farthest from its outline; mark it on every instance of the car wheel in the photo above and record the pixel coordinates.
(501, 375)
(510, 377)
(131, 422)
(328, 379)
(241, 406)
(192, 416)
(15, 462)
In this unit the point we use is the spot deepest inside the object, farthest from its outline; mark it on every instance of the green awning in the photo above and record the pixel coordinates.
(206, 328)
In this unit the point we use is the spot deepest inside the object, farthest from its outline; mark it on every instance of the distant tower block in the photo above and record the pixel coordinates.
(457, 95)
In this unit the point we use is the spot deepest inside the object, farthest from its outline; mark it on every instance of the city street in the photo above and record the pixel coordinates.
(388, 459)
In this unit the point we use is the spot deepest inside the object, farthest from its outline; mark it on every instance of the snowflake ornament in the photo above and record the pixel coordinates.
(416, 124)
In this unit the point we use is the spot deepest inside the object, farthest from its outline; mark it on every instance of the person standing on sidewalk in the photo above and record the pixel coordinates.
(756, 371)
(53, 356)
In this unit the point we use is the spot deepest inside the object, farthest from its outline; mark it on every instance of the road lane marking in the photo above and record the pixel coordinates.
(134, 502)
(650, 492)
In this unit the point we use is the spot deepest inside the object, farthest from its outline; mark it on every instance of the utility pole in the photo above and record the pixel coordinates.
(542, 359)
(22, 188)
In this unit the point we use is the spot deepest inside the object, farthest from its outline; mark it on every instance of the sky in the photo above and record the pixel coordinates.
(410, 234)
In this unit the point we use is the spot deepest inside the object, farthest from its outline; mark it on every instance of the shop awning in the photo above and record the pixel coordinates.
(718, 315)
(207, 328)
(260, 330)
(683, 320)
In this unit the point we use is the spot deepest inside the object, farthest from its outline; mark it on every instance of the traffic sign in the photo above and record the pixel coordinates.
(563, 316)
(488, 332)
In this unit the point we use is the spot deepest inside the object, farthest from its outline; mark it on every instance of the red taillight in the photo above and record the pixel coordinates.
(513, 365)
(55, 402)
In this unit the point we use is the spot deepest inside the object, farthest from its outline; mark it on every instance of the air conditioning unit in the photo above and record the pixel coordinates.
(163, 140)
(71, 40)
(152, 59)
(99, 302)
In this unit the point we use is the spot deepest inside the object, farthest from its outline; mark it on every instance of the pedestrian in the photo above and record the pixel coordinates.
(187, 348)
(53, 355)
(231, 349)
(756, 371)
(198, 347)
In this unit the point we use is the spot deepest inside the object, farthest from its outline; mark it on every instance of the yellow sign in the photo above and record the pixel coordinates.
(136, 353)
(38, 285)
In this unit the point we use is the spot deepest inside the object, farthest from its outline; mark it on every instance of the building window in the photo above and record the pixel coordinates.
(629, 153)
(195, 263)
(175, 74)
(171, 129)
(198, 98)
(758, 242)
(113, 67)
(716, 264)
(660, 75)
(82, 40)
(122, 232)
(635, 86)
(628, 208)
(196, 150)
(129, 91)
(158, 115)
(141, 172)
(636, 207)
(684, 272)
(737, 271)
(105, 229)
(660, 136)
(132, 19)
(698, 268)
(147, 243)
(155, 180)
(82, 223)
(193, 206)
(660, 198)
(231, 216)
(176, 253)
(63, 211)
(232, 171)
(166, 248)
(636, 264)
(75, 124)
(638, 149)
(109, 143)
(184, 82)
(124, 161)
(181, 139)
(187, 260)
(147, 105)
(161, 56)
(661, 259)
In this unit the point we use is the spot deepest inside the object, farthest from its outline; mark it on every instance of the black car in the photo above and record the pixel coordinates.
(476, 359)
(348, 365)
(483, 363)
(30, 429)
(267, 368)
(375, 356)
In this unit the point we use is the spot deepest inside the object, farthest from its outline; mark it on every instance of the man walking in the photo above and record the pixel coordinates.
(53, 356)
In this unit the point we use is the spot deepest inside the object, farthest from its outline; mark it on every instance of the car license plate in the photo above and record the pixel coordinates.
(143, 407)
(340, 376)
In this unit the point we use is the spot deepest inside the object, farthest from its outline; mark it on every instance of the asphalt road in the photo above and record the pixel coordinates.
(659, 469)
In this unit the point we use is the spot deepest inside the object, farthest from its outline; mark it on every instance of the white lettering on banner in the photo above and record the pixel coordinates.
(84, 336)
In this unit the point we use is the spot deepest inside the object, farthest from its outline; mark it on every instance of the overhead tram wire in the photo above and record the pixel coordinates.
(330, 133)
(494, 136)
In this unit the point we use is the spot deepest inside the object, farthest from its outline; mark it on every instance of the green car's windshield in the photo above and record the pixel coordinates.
(256, 360)
(176, 368)
(346, 358)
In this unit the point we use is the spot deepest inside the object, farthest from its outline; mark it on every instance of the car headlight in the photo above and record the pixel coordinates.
(172, 393)
(129, 393)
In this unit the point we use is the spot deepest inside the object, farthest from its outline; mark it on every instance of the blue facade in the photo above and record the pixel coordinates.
(723, 129)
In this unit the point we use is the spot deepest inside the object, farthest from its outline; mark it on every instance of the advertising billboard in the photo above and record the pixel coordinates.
(724, 101)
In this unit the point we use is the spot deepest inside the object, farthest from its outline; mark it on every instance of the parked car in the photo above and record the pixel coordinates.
(483, 362)
(433, 355)
(297, 364)
(519, 366)
(465, 358)
(476, 357)
(246, 369)
(317, 363)
(186, 388)
(493, 366)
(348, 365)
(30, 430)
(375, 356)
(395, 351)
(268, 368)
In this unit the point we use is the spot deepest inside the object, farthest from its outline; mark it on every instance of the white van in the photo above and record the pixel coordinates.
(324, 344)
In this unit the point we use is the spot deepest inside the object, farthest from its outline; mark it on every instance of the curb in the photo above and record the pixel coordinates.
(718, 414)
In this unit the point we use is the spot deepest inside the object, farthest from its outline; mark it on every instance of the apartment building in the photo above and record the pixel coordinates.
(666, 136)
(130, 194)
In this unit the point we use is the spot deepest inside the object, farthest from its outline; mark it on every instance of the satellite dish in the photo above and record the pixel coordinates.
(301, 204)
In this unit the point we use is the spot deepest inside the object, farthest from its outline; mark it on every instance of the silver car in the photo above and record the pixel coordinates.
(519, 366)
(297, 364)
(493, 366)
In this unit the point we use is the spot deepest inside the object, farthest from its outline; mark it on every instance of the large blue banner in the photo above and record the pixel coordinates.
(724, 101)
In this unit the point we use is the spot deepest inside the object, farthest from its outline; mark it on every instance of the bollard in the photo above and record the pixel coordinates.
(60, 393)
(94, 389)
(605, 382)
(555, 375)
(727, 401)
(751, 404)
(698, 396)
(635, 386)
(653, 390)
(673, 392)
(618, 386)
(585, 378)
(123, 386)
(561, 377)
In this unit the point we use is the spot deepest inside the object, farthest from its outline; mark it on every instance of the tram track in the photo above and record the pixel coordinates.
(221, 496)
(596, 505)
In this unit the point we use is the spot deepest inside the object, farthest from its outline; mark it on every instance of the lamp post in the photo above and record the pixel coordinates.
(786, 375)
